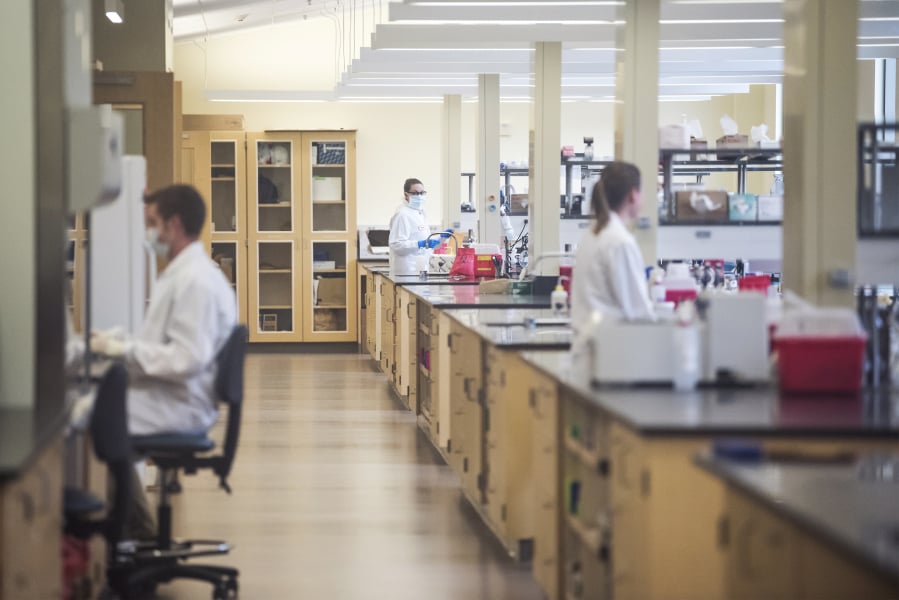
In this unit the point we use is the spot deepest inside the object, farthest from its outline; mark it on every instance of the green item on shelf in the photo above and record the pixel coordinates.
(575, 432)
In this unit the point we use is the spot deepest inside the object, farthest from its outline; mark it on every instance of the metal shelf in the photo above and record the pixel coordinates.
(728, 160)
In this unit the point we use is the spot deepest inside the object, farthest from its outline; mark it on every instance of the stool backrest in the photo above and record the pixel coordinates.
(229, 383)
(112, 444)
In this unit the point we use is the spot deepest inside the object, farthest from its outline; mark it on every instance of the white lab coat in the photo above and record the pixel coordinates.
(171, 362)
(407, 228)
(609, 276)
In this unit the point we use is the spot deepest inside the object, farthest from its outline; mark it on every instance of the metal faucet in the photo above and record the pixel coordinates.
(536, 261)
(446, 235)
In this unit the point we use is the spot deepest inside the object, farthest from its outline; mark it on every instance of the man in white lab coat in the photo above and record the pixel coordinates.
(171, 362)
(609, 272)
(409, 230)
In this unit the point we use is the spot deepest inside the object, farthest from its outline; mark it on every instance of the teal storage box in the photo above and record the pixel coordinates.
(743, 207)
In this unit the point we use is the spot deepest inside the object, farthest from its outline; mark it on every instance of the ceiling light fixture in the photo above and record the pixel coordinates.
(505, 22)
(115, 11)
(507, 3)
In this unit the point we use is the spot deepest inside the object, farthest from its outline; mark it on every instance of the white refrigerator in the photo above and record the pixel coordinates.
(122, 266)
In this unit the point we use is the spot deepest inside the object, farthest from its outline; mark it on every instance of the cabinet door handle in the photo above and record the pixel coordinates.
(744, 549)
(723, 532)
(29, 509)
(409, 314)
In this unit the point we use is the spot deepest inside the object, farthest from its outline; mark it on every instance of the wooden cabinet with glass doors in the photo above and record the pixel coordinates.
(302, 236)
(215, 163)
(282, 227)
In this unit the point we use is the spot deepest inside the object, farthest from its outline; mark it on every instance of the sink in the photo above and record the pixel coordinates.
(537, 322)
(549, 322)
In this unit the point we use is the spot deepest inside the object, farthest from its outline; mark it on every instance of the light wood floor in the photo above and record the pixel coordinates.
(338, 495)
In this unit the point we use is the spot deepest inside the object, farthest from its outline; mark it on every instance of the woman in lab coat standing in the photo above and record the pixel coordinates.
(609, 275)
(409, 229)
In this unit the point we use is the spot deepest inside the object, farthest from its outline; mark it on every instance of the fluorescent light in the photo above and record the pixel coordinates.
(523, 3)
(430, 100)
(504, 23)
(267, 96)
(115, 11)
(684, 98)
(716, 21)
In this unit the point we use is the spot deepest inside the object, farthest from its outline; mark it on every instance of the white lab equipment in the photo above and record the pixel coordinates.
(121, 264)
(559, 301)
(678, 353)
(736, 337)
(633, 352)
(95, 145)
(687, 357)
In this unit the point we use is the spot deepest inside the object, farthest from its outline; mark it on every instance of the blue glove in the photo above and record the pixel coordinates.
(447, 232)
(433, 243)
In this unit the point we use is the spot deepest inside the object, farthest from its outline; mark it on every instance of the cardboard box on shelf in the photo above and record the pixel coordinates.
(518, 203)
(698, 144)
(713, 211)
(327, 320)
(743, 207)
(226, 264)
(269, 322)
(332, 291)
(327, 188)
(771, 208)
(732, 142)
(674, 137)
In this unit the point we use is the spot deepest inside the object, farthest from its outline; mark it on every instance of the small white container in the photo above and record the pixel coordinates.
(559, 301)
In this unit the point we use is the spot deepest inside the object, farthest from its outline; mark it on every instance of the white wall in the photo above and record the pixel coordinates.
(17, 233)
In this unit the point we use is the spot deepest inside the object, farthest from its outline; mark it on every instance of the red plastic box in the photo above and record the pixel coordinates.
(820, 364)
(754, 283)
(678, 296)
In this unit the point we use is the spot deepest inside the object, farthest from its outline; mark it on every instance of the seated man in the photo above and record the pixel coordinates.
(192, 310)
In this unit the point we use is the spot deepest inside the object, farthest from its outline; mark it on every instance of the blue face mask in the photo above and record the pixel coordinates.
(416, 201)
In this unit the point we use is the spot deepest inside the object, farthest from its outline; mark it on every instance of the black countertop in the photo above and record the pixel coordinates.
(516, 328)
(23, 438)
(415, 280)
(468, 296)
(761, 411)
(854, 508)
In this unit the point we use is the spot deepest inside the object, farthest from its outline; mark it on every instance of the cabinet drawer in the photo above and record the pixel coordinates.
(30, 524)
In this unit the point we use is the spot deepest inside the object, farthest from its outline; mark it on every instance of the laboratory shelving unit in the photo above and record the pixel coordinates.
(701, 163)
(282, 227)
(878, 180)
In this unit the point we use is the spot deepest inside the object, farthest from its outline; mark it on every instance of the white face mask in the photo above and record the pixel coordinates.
(160, 248)
(416, 201)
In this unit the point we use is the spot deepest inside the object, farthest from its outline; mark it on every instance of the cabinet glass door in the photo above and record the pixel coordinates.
(329, 286)
(274, 178)
(275, 287)
(328, 183)
(223, 193)
(225, 256)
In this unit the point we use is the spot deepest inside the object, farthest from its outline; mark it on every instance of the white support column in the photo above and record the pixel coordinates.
(452, 160)
(544, 183)
(820, 94)
(487, 172)
(637, 109)
(869, 92)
